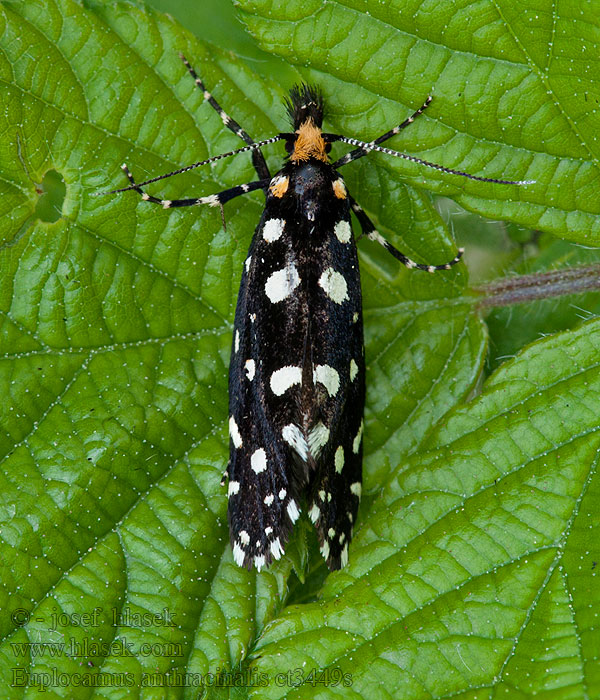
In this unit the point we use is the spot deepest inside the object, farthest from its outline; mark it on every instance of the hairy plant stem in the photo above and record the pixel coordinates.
(524, 288)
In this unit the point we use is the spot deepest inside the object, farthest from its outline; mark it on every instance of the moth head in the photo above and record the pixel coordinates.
(305, 103)
(305, 110)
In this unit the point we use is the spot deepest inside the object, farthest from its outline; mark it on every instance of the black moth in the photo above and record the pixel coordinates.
(297, 371)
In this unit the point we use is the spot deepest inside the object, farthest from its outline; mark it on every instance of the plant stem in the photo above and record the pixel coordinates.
(524, 288)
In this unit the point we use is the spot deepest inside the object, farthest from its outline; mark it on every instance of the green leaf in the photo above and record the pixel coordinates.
(116, 328)
(475, 568)
(515, 94)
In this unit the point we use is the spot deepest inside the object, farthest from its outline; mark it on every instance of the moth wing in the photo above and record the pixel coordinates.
(264, 480)
(339, 370)
(335, 497)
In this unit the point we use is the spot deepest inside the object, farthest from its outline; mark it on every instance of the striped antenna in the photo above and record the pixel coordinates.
(372, 146)
(244, 149)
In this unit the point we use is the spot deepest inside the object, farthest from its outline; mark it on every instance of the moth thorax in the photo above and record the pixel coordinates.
(309, 143)
(309, 182)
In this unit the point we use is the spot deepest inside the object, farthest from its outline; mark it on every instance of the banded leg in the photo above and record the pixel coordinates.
(213, 200)
(360, 152)
(371, 232)
(258, 160)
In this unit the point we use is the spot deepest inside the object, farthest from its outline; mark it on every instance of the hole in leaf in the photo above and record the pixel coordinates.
(50, 203)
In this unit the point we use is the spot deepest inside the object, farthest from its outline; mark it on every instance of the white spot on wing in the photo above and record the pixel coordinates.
(238, 554)
(353, 370)
(233, 488)
(247, 263)
(269, 498)
(344, 555)
(339, 459)
(328, 377)
(276, 548)
(293, 436)
(284, 378)
(259, 562)
(244, 537)
(334, 285)
(237, 340)
(356, 488)
(317, 439)
(325, 549)
(292, 510)
(273, 229)
(314, 513)
(250, 369)
(343, 231)
(282, 283)
(358, 438)
(258, 461)
(234, 433)
(282, 494)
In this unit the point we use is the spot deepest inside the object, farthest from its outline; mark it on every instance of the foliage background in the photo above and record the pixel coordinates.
(473, 569)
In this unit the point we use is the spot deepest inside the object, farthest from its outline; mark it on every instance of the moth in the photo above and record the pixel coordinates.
(297, 370)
